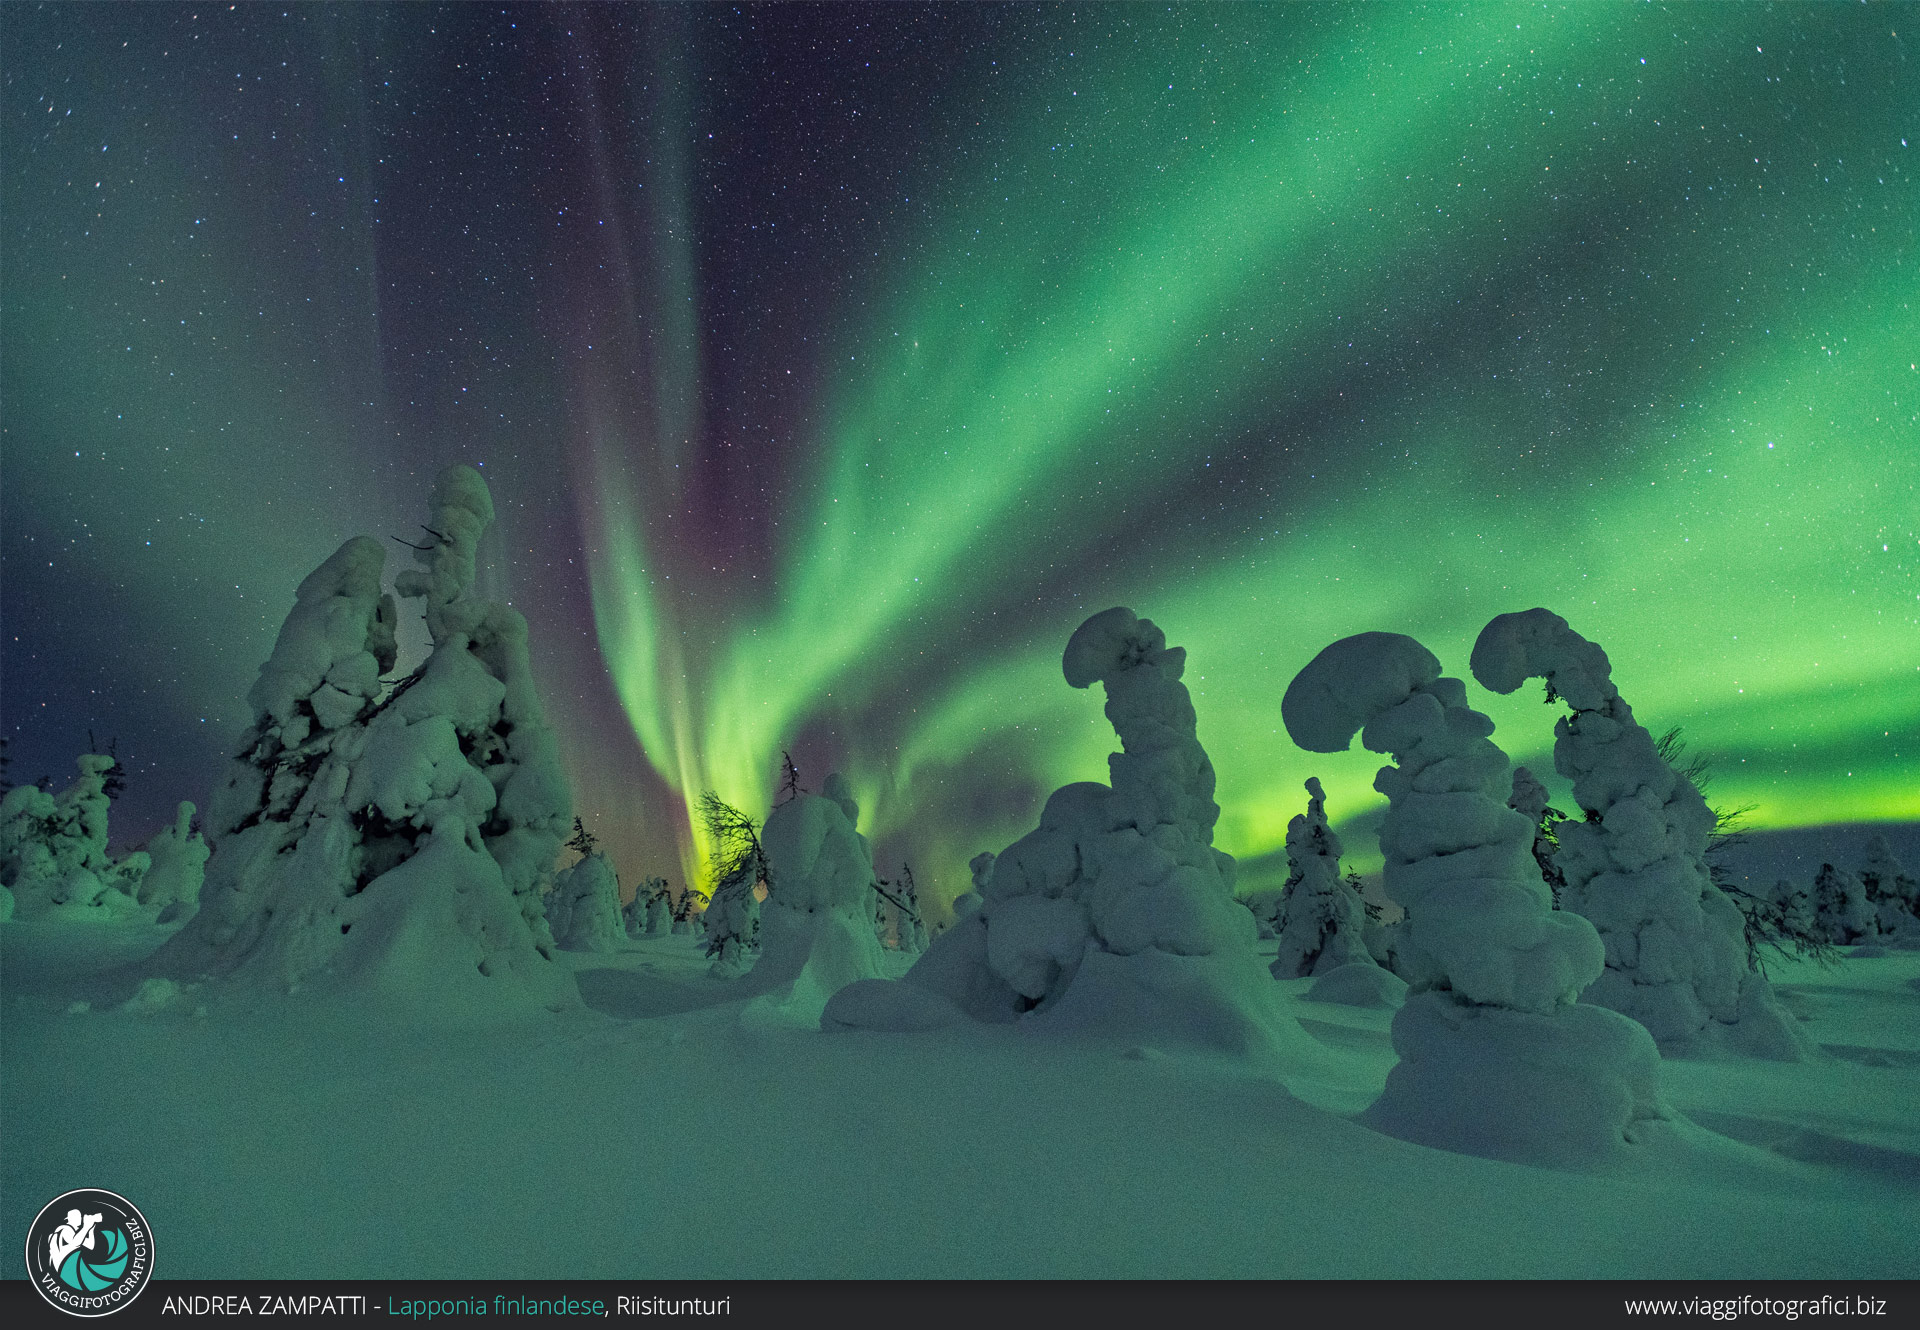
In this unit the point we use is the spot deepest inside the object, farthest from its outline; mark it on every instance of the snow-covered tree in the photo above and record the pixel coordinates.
(398, 843)
(1781, 921)
(650, 900)
(692, 906)
(1676, 947)
(53, 849)
(659, 907)
(1529, 799)
(883, 920)
(1321, 922)
(582, 842)
(740, 878)
(584, 906)
(815, 933)
(1496, 1056)
(1893, 893)
(1116, 914)
(910, 926)
(1841, 910)
(178, 867)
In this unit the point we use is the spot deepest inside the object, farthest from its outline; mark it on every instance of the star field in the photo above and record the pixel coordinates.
(831, 363)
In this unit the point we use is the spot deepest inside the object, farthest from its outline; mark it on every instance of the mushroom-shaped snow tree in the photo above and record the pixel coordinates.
(1676, 952)
(1115, 914)
(1496, 1056)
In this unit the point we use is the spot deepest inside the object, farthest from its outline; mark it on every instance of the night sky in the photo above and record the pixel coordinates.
(830, 364)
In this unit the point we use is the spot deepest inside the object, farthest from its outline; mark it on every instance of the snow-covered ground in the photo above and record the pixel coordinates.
(670, 1129)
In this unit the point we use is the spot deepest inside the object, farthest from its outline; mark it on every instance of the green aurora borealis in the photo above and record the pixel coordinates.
(832, 364)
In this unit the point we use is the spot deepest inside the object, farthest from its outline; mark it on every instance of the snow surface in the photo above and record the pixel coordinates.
(344, 1139)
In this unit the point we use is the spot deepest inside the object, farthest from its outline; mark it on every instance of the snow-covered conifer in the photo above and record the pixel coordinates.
(659, 919)
(398, 843)
(1321, 921)
(815, 935)
(691, 904)
(53, 849)
(1116, 913)
(172, 883)
(740, 878)
(1796, 908)
(635, 915)
(590, 913)
(321, 678)
(1496, 1056)
(1894, 894)
(1529, 799)
(911, 927)
(1842, 913)
(1676, 948)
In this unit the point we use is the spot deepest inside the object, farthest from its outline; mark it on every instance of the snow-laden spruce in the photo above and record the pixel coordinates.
(659, 908)
(177, 868)
(816, 929)
(1676, 953)
(1496, 1056)
(583, 909)
(1893, 892)
(1529, 799)
(1321, 922)
(1842, 914)
(53, 850)
(1115, 914)
(395, 845)
(909, 923)
(650, 912)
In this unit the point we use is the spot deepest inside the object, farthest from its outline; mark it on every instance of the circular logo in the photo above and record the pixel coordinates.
(89, 1252)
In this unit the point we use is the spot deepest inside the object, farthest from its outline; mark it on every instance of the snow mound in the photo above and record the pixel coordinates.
(1362, 984)
(888, 1005)
(1676, 954)
(153, 995)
